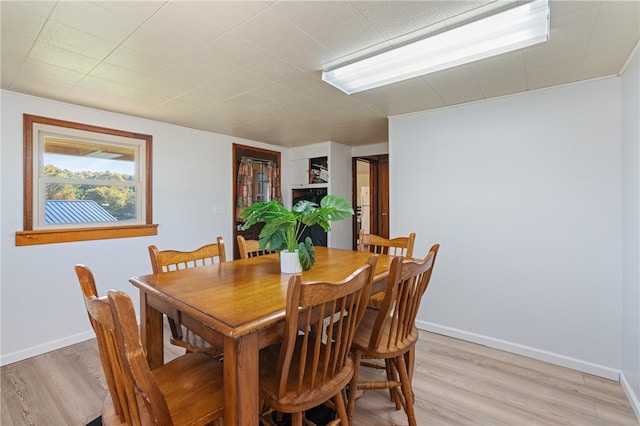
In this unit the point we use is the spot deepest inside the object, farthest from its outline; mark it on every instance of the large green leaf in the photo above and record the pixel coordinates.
(337, 208)
(307, 254)
(283, 227)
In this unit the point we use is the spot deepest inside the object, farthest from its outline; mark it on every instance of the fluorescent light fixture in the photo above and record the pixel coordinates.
(512, 29)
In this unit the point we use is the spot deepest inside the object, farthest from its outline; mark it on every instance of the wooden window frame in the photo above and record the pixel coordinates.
(29, 236)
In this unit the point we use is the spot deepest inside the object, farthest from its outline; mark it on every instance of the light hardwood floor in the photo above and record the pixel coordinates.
(456, 383)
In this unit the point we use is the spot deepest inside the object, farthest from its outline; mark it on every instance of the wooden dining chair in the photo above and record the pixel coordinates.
(178, 389)
(398, 246)
(306, 370)
(250, 248)
(188, 390)
(119, 406)
(389, 333)
(172, 260)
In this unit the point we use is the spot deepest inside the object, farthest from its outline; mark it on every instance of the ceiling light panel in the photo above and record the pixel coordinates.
(510, 30)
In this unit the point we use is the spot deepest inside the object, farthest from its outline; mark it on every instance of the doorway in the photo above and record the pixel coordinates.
(371, 195)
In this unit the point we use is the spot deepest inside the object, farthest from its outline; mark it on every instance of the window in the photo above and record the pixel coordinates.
(84, 182)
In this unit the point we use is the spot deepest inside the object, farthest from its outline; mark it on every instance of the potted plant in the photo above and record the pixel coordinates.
(283, 227)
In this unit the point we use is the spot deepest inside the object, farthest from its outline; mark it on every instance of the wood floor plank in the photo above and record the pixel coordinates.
(455, 383)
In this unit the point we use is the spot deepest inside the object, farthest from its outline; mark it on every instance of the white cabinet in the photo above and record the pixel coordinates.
(299, 172)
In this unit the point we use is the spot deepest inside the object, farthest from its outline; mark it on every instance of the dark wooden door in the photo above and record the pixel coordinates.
(383, 196)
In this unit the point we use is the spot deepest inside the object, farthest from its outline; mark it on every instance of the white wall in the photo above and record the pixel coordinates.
(41, 304)
(630, 377)
(523, 193)
(373, 149)
(341, 179)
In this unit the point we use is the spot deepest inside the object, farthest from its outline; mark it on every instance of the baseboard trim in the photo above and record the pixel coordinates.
(12, 357)
(554, 358)
(631, 396)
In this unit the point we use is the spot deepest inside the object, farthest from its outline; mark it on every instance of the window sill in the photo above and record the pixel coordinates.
(29, 238)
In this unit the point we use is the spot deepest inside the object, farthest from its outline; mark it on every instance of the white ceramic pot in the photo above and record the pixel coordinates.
(290, 262)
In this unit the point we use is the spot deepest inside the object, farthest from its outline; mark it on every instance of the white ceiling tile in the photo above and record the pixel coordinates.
(169, 88)
(92, 19)
(191, 72)
(349, 37)
(600, 64)
(306, 83)
(62, 58)
(146, 98)
(503, 84)
(172, 109)
(392, 20)
(9, 68)
(224, 88)
(252, 68)
(605, 39)
(225, 14)
(137, 11)
(107, 71)
(38, 85)
(579, 19)
(233, 49)
(261, 31)
(455, 86)
(494, 67)
(315, 16)
(140, 62)
(74, 40)
(104, 86)
(15, 45)
(25, 18)
(554, 74)
(451, 9)
(618, 13)
(274, 69)
(308, 55)
(559, 8)
(35, 69)
(172, 33)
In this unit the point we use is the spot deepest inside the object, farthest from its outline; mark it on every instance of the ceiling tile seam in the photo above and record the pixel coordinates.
(118, 45)
(311, 36)
(241, 23)
(27, 56)
(160, 70)
(213, 80)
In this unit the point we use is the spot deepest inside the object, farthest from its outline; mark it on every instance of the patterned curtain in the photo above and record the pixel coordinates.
(274, 182)
(244, 186)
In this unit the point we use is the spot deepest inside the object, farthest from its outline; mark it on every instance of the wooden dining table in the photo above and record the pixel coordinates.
(239, 306)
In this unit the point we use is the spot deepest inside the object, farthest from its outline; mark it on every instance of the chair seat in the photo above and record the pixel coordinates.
(375, 301)
(188, 375)
(309, 397)
(363, 336)
(203, 376)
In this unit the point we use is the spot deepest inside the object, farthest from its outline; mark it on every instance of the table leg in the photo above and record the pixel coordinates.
(241, 375)
(151, 332)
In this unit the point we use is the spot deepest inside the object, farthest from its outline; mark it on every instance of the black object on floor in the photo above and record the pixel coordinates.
(95, 422)
(320, 416)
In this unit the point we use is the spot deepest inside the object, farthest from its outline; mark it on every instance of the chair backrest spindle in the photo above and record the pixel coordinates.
(171, 260)
(399, 246)
(250, 248)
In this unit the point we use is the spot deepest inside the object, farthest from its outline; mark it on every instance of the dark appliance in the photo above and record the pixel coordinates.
(317, 234)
